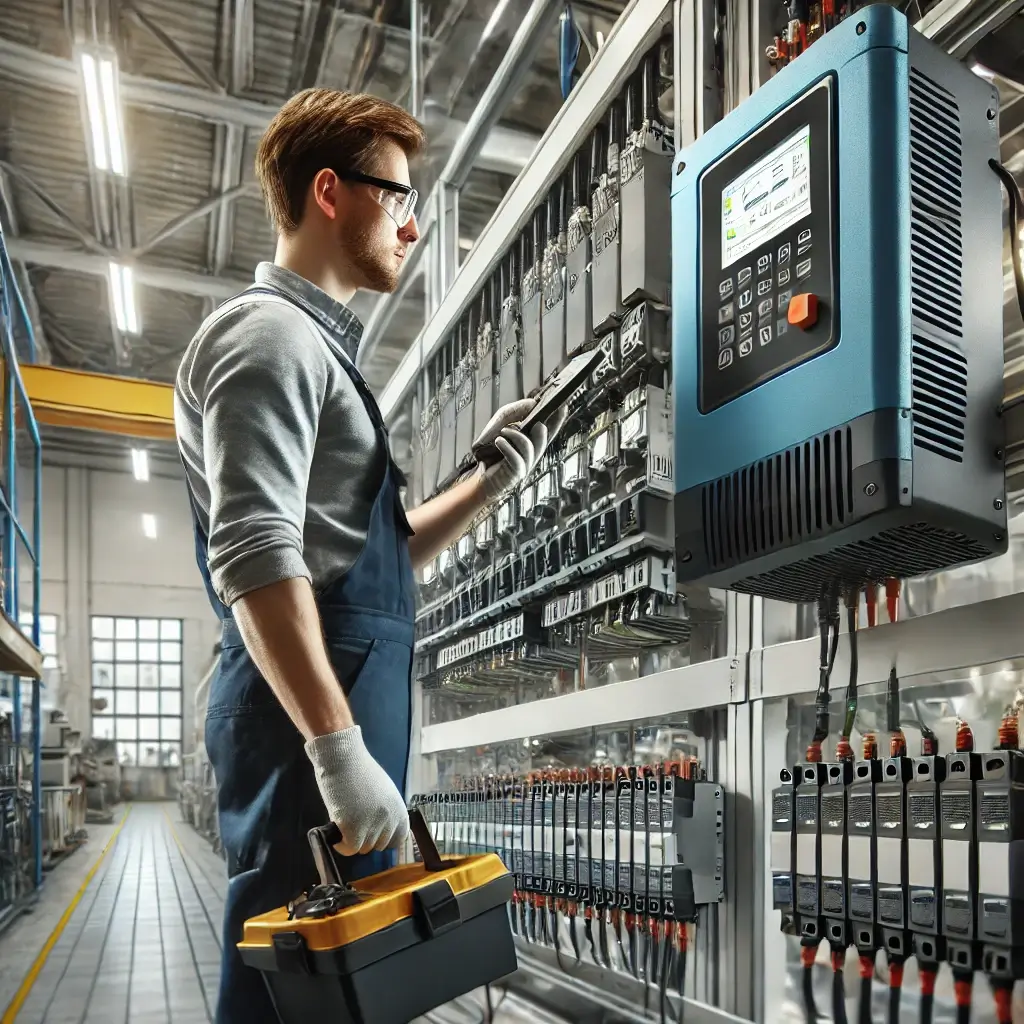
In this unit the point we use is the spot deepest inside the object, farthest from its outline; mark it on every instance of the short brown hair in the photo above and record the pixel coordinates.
(320, 128)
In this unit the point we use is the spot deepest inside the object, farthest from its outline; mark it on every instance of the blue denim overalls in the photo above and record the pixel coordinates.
(267, 794)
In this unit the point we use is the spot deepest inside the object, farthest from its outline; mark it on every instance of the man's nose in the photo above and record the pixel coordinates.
(411, 232)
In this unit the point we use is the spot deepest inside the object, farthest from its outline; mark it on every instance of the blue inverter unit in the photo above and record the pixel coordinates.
(837, 323)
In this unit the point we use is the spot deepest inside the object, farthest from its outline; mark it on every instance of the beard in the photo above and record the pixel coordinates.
(373, 258)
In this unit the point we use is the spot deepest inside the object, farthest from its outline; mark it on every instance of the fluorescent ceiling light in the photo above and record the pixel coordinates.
(122, 299)
(102, 104)
(149, 525)
(140, 464)
(495, 19)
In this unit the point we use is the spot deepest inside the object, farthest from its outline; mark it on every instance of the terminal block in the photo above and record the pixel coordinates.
(783, 849)
(862, 854)
(924, 861)
(809, 778)
(834, 853)
(1000, 830)
(959, 858)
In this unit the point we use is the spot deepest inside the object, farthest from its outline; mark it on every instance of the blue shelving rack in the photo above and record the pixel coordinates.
(20, 655)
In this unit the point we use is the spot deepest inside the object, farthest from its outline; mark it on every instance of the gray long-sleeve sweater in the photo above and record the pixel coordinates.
(278, 448)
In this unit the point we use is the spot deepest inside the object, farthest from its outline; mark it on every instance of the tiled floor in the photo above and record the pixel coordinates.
(143, 945)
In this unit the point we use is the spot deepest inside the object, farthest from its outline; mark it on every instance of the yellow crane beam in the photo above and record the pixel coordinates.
(96, 401)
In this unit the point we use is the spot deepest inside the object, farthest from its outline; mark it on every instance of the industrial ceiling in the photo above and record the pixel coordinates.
(194, 82)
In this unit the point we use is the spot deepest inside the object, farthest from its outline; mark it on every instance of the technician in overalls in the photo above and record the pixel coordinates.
(301, 536)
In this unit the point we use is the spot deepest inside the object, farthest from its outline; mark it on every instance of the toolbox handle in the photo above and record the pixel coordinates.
(324, 838)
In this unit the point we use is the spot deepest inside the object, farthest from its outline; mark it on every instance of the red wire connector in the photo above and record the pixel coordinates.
(1002, 992)
(1009, 731)
(871, 598)
(927, 976)
(962, 991)
(964, 737)
(808, 954)
(838, 960)
(870, 747)
(892, 598)
(898, 744)
(867, 966)
(844, 752)
(896, 974)
(814, 752)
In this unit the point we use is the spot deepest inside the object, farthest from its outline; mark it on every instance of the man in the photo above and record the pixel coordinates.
(301, 537)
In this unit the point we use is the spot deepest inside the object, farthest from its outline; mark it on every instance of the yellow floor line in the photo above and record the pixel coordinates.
(33, 972)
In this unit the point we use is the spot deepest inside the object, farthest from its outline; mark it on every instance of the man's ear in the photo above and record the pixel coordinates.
(327, 193)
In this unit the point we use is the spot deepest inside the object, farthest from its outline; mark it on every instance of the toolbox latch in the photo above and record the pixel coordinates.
(291, 953)
(436, 908)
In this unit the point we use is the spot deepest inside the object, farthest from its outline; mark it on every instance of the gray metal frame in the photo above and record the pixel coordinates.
(961, 626)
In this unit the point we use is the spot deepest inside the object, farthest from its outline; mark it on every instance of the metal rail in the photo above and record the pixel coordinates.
(13, 654)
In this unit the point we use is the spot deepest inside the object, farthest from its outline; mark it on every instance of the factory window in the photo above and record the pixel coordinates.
(136, 688)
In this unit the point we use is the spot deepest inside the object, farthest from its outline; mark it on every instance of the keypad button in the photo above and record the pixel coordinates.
(764, 334)
(784, 252)
(784, 276)
(746, 347)
(803, 269)
(725, 358)
(781, 327)
(727, 313)
(743, 277)
(746, 322)
(746, 298)
(764, 287)
(764, 307)
(725, 288)
(784, 299)
(804, 237)
(764, 264)
(726, 336)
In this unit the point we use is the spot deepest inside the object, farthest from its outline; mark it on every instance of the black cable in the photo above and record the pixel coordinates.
(963, 1014)
(894, 1004)
(838, 997)
(867, 974)
(927, 1003)
(807, 988)
(1016, 218)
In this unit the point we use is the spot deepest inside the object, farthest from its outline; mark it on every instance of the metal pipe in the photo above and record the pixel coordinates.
(48, 254)
(532, 32)
(503, 148)
(172, 227)
(416, 58)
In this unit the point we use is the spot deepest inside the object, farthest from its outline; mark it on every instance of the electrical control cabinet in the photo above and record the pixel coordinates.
(837, 322)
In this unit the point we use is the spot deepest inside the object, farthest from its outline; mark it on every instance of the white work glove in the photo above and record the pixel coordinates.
(519, 452)
(360, 798)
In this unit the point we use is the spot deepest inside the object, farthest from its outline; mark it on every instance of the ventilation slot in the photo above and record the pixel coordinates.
(939, 392)
(789, 497)
(939, 367)
(899, 553)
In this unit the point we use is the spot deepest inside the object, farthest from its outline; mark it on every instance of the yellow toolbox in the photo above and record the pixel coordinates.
(389, 947)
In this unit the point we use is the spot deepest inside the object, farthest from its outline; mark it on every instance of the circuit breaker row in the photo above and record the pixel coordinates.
(914, 855)
(580, 556)
(639, 846)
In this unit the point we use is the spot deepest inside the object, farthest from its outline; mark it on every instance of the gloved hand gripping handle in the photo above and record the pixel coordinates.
(324, 838)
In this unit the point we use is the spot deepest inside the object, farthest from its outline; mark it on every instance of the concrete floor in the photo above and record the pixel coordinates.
(143, 943)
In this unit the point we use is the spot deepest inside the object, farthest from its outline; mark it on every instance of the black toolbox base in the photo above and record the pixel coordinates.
(400, 987)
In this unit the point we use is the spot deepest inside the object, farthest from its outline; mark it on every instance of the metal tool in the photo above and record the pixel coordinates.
(579, 311)
(605, 278)
(645, 179)
(553, 316)
(531, 304)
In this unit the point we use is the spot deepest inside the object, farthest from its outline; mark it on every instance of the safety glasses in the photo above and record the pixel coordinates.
(398, 201)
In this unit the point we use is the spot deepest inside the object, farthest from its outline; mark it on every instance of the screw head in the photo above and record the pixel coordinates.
(999, 453)
(998, 504)
(870, 490)
(680, 167)
(997, 537)
(861, 28)
(990, 114)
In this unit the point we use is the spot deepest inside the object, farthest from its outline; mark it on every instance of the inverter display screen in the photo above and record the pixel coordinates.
(767, 197)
